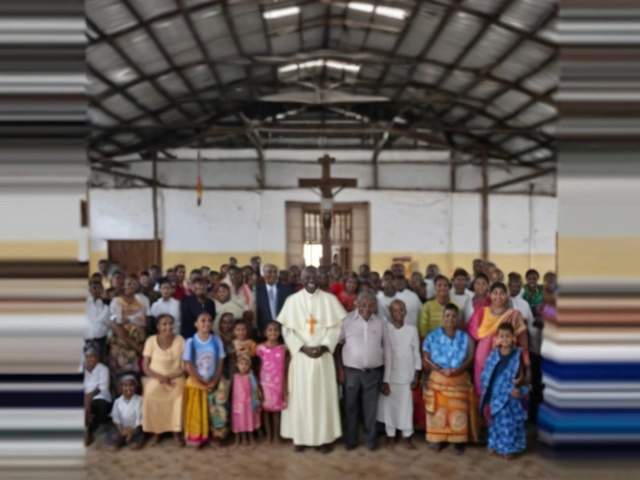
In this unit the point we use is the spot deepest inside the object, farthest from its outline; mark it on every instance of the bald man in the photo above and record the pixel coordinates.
(270, 297)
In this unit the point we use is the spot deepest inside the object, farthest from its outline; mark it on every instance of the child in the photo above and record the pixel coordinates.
(242, 344)
(502, 392)
(127, 416)
(245, 402)
(97, 397)
(167, 305)
(203, 356)
(395, 410)
(274, 363)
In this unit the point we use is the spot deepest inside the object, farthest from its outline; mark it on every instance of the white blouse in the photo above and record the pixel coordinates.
(127, 414)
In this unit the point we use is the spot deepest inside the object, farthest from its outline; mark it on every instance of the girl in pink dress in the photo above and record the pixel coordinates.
(245, 402)
(274, 360)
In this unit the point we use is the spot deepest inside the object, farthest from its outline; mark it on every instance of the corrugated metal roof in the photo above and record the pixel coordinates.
(459, 67)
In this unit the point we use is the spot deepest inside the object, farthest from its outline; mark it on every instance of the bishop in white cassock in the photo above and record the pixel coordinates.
(311, 319)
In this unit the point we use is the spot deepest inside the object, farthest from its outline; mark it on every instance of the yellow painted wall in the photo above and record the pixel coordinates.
(379, 261)
(599, 257)
(39, 250)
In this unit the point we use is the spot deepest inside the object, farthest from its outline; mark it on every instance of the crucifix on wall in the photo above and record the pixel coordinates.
(326, 184)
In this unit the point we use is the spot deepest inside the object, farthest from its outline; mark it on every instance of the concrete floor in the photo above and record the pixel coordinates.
(166, 461)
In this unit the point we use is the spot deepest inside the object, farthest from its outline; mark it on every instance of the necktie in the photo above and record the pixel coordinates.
(272, 302)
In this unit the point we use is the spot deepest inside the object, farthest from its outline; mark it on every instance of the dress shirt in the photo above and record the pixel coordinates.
(98, 378)
(366, 343)
(272, 295)
(127, 414)
(97, 313)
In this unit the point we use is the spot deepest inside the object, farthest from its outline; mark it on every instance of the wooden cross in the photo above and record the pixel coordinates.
(326, 183)
(312, 322)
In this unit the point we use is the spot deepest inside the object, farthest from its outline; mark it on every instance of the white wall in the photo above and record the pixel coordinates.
(254, 221)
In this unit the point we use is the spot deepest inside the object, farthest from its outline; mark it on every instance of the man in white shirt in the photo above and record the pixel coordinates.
(460, 295)
(385, 297)
(167, 305)
(364, 359)
(97, 315)
(97, 397)
(410, 299)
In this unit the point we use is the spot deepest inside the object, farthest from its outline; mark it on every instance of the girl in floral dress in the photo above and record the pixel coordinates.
(274, 361)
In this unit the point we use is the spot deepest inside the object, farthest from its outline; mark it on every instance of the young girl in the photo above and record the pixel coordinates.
(127, 416)
(203, 356)
(245, 402)
(242, 344)
(502, 392)
(274, 363)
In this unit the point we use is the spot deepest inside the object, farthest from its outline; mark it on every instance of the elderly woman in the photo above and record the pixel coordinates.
(483, 327)
(163, 383)
(447, 353)
(130, 311)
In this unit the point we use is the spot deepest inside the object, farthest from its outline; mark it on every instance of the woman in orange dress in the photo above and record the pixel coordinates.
(483, 328)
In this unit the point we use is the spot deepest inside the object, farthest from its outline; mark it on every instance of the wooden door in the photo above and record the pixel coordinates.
(134, 256)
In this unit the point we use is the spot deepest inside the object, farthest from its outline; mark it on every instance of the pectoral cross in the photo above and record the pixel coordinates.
(312, 322)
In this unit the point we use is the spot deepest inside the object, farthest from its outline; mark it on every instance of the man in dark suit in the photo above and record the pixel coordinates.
(270, 297)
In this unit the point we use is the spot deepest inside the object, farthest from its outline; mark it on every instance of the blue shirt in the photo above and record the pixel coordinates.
(444, 351)
(207, 354)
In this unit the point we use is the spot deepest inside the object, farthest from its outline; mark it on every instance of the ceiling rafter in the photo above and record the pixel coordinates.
(236, 114)
(238, 45)
(486, 25)
(486, 75)
(499, 23)
(442, 24)
(163, 51)
(398, 42)
(134, 66)
(382, 58)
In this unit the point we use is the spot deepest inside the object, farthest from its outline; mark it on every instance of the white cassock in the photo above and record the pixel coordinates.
(413, 305)
(312, 416)
(396, 410)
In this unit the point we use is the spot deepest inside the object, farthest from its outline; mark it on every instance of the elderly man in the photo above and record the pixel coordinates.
(311, 319)
(364, 366)
(270, 297)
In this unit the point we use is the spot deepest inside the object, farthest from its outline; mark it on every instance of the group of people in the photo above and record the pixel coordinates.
(306, 354)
